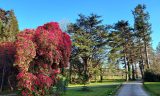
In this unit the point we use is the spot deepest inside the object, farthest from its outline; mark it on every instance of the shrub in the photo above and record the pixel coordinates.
(39, 56)
(151, 76)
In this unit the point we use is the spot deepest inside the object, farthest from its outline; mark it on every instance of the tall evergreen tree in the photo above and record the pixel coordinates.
(88, 36)
(142, 29)
(8, 25)
(127, 44)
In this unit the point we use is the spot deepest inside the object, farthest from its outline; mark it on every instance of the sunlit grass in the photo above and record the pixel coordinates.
(108, 90)
(105, 88)
(105, 82)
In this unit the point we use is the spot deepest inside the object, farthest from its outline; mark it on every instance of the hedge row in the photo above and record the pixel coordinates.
(151, 76)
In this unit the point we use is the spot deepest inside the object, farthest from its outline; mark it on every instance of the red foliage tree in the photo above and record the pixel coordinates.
(7, 48)
(39, 55)
(7, 52)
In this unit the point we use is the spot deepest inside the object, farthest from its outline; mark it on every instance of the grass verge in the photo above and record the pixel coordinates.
(153, 88)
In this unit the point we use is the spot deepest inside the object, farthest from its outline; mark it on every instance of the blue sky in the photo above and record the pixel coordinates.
(32, 13)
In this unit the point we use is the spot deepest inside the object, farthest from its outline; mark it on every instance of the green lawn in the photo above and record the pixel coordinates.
(153, 88)
(108, 90)
(105, 82)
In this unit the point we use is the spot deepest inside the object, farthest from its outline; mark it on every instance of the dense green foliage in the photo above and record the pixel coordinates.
(95, 44)
(121, 42)
(8, 26)
(130, 45)
(142, 30)
(88, 37)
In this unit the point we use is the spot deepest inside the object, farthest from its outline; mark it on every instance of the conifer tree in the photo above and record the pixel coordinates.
(88, 36)
(8, 25)
(127, 44)
(142, 29)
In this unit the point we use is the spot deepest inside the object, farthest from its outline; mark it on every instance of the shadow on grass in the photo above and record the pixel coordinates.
(85, 89)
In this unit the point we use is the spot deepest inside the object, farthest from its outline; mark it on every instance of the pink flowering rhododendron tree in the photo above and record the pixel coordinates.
(7, 52)
(39, 55)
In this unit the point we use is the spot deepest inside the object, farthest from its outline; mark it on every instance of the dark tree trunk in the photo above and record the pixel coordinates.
(129, 70)
(141, 66)
(101, 75)
(86, 75)
(133, 72)
(141, 63)
(126, 68)
(70, 74)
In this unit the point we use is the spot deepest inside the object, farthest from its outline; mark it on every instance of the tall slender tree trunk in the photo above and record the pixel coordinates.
(101, 75)
(70, 73)
(129, 70)
(146, 55)
(136, 71)
(141, 65)
(141, 69)
(126, 68)
(141, 62)
(133, 72)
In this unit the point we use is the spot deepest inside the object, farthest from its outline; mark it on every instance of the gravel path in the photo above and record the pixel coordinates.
(132, 89)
